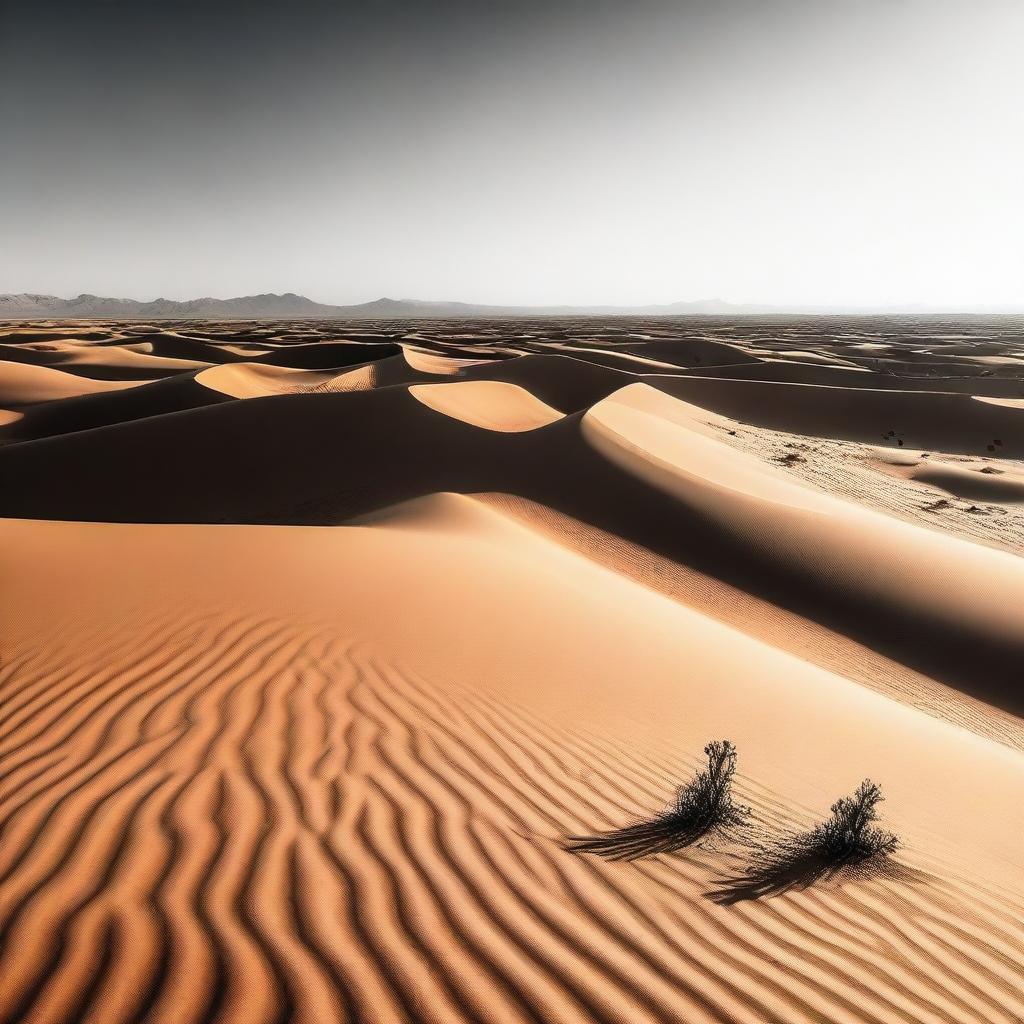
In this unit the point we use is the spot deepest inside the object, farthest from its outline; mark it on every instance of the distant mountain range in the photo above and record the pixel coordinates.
(289, 306)
(26, 306)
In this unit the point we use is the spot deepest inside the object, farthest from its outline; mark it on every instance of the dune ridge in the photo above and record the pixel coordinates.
(660, 440)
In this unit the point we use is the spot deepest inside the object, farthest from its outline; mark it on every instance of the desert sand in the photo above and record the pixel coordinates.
(319, 640)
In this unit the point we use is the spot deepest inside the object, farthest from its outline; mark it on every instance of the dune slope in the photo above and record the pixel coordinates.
(408, 782)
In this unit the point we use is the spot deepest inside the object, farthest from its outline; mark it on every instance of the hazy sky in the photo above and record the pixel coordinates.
(809, 151)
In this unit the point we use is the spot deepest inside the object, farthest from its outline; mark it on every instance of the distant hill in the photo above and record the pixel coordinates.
(31, 306)
(289, 306)
(26, 306)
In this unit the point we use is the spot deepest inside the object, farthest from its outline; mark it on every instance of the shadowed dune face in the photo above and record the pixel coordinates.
(320, 641)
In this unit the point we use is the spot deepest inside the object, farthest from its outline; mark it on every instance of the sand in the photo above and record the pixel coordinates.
(492, 405)
(26, 384)
(305, 684)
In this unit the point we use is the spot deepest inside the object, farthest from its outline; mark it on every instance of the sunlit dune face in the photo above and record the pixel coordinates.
(435, 362)
(492, 405)
(252, 380)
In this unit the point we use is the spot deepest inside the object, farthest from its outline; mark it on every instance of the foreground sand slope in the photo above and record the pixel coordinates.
(322, 774)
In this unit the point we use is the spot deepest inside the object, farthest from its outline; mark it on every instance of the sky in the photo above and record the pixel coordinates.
(825, 152)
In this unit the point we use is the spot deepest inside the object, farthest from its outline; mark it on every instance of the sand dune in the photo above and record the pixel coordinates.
(253, 380)
(413, 803)
(116, 362)
(327, 355)
(932, 421)
(426, 361)
(971, 483)
(493, 405)
(562, 382)
(103, 408)
(987, 482)
(175, 345)
(899, 570)
(24, 384)
(696, 352)
(314, 653)
(790, 372)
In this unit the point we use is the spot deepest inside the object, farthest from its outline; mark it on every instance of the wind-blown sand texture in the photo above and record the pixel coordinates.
(319, 642)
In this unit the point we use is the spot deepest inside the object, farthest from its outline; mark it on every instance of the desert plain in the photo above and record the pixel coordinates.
(320, 639)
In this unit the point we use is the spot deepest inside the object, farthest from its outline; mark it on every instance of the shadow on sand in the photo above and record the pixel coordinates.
(772, 873)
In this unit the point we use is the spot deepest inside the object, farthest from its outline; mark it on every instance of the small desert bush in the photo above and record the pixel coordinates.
(702, 810)
(850, 836)
(848, 841)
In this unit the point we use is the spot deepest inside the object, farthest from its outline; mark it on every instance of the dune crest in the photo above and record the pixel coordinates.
(910, 570)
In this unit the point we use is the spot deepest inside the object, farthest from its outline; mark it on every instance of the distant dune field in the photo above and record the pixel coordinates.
(319, 640)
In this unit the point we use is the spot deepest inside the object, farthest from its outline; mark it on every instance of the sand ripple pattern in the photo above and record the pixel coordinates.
(257, 822)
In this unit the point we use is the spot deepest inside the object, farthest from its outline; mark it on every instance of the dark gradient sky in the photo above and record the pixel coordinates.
(823, 151)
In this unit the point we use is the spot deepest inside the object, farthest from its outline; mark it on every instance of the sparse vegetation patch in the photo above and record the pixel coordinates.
(702, 809)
